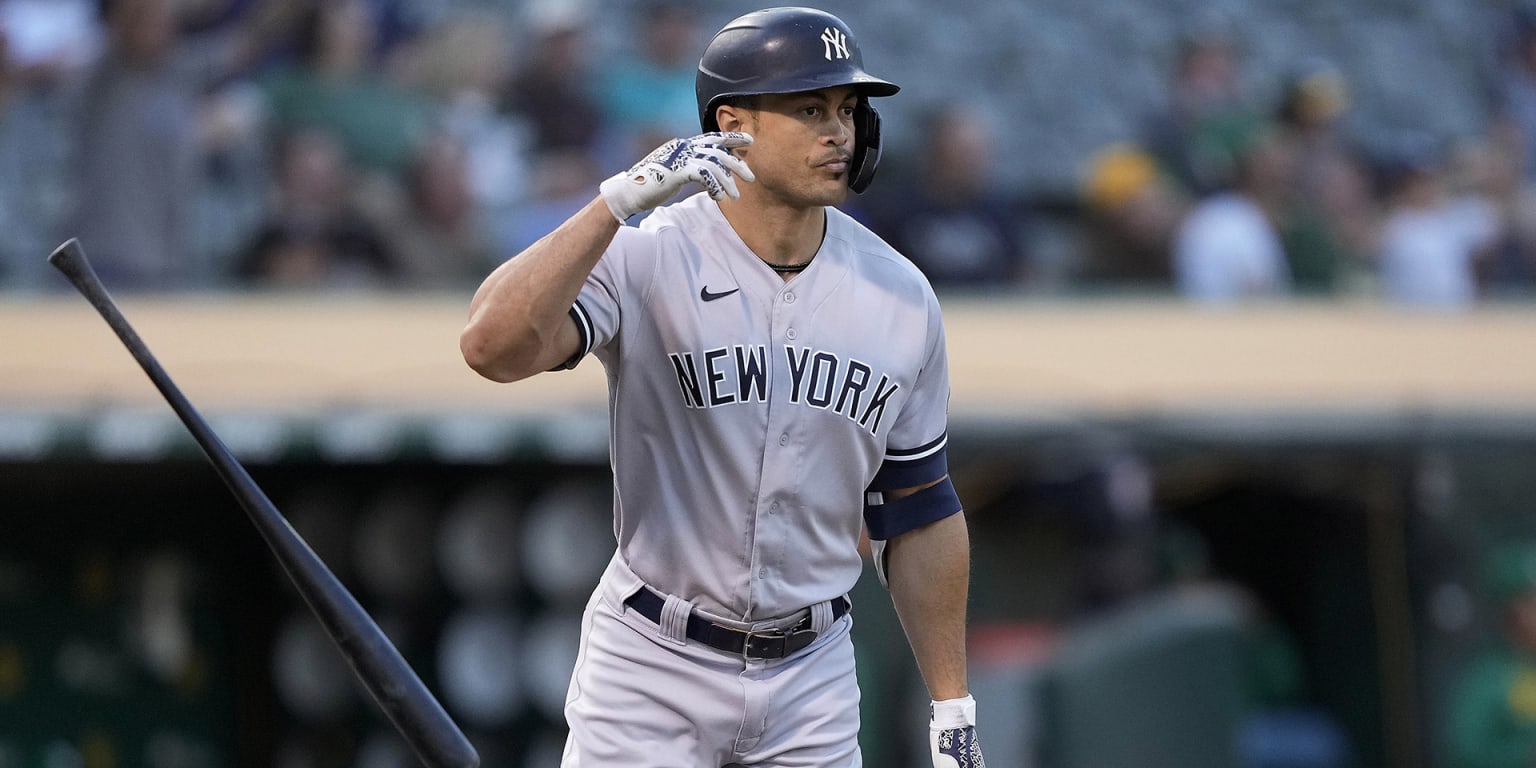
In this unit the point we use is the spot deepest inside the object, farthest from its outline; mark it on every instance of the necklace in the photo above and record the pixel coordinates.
(786, 267)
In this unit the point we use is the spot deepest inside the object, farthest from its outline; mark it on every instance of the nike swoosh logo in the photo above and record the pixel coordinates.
(707, 296)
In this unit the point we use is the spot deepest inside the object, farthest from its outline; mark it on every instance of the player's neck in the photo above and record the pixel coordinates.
(781, 236)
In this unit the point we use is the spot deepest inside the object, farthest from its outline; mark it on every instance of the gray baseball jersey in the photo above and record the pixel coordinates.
(750, 415)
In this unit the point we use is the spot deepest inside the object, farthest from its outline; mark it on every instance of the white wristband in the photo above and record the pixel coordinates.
(621, 195)
(952, 713)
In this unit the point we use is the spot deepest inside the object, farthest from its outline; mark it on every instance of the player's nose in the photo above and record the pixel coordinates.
(839, 133)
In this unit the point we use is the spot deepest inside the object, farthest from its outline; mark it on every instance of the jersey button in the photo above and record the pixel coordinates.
(784, 439)
(790, 333)
(762, 573)
(789, 298)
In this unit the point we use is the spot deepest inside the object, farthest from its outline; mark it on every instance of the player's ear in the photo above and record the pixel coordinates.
(731, 117)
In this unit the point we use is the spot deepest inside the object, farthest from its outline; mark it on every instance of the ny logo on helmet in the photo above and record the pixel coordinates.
(835, 42)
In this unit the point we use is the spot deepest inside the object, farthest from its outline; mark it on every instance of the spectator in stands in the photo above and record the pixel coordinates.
(11, 263)
(1515, 105)
(44, 50)
(1512, 140)
(648, 92)
(562, 184)
(951, 218)
(315, 237)
(554, 88)
(1207, 107)
(438, 236)
(1131, 211)
(1329, 226)
(1483, 172)
(29, 156)
(1497, 159)
(337, 86)
(1433, 243)
(461, 62)
(1491, 720)
(1228, 248)
(138, 145)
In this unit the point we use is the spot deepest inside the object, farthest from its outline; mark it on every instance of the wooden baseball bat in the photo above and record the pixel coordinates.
(410, 707)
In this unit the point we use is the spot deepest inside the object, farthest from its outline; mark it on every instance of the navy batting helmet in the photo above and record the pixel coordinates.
(790, 50)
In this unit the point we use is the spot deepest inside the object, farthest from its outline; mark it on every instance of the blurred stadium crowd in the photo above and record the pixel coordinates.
(1219, 150)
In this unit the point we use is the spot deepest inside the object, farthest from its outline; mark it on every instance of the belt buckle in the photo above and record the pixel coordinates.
(789, 641)
(746, 643)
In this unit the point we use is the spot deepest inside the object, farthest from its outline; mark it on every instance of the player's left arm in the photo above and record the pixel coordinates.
(928, 572)
(922, 549)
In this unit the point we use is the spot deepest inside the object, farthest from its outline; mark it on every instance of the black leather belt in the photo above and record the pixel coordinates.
(767, 644)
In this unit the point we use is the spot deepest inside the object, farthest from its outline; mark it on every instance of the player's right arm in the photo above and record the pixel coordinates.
(519, 319)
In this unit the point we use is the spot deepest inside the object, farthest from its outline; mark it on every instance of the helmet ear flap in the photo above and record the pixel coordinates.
(866, 146)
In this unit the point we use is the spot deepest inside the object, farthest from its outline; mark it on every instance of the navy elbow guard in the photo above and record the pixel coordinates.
(889, 519)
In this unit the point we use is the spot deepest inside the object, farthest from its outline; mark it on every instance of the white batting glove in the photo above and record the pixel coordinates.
(952, 734)
(706, 159)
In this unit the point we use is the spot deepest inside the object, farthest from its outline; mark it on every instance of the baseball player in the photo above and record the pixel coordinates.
(777, 378)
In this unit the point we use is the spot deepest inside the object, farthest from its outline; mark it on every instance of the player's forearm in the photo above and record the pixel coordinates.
(929, 576)
(519, 318)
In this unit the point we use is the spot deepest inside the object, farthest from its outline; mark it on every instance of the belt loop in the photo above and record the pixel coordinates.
(674, 619)
(821, 616)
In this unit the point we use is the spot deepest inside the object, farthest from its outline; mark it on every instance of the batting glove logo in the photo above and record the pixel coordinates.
(654, 178)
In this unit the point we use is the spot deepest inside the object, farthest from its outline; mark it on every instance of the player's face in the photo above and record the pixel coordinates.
(801, 145)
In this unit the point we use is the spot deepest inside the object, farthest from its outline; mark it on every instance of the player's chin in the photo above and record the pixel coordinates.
(830, 191)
